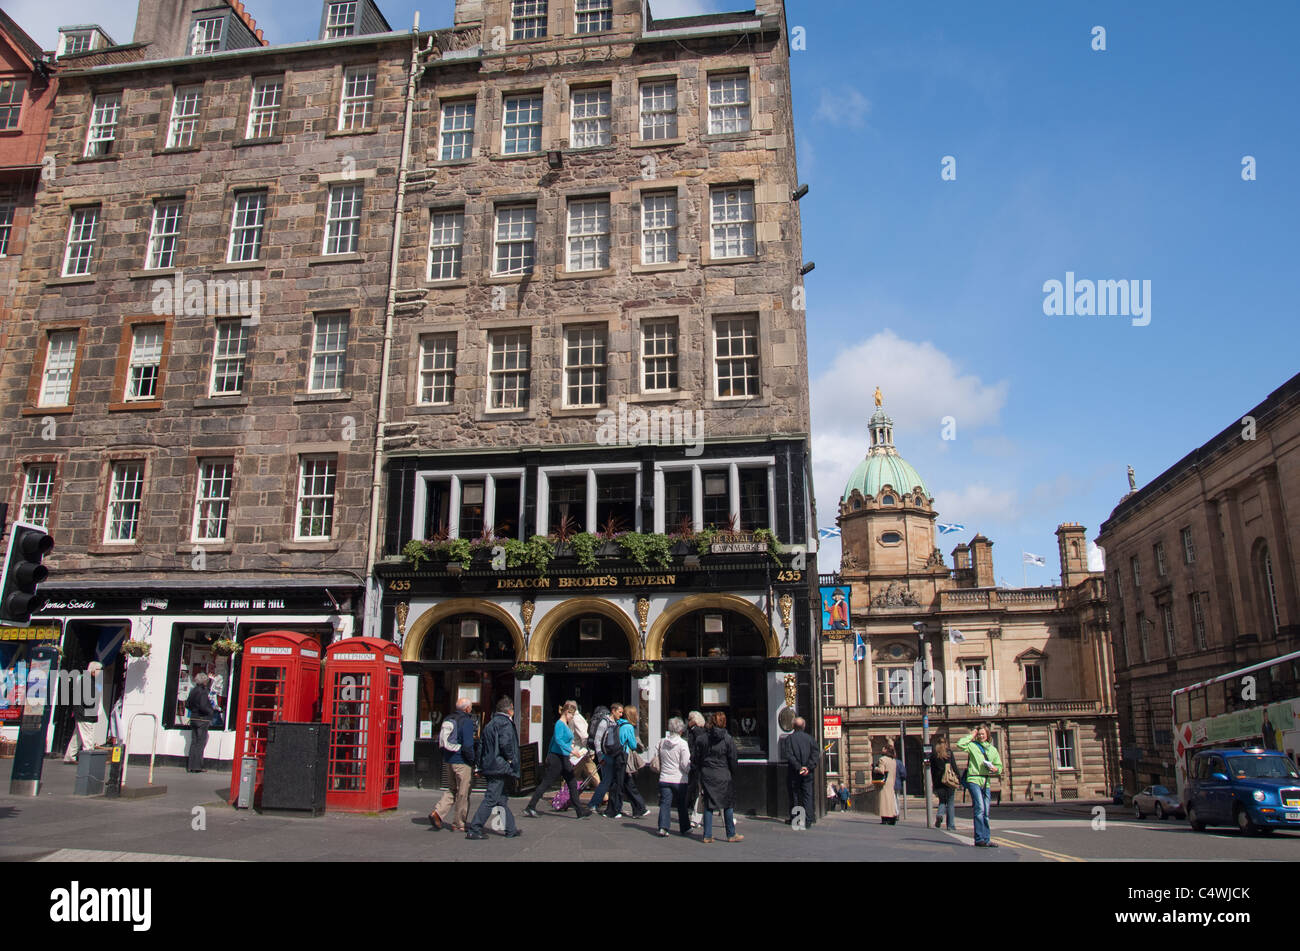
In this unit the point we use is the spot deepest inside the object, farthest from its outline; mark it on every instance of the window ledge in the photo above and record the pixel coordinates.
(219, 402)
(679, 265)
(589, 149)
(340, 396)
(153, 273)
(450, 163)
(723, 262)
(240, 266)
(431, 409)
(71, 280)
(657, 143)
(727, 136)
(448, 284)
(45, 411)
(344, 133)
(568, 412)
(520, 414)
(246, 143)
(210, 547)
(503, 157)
(351, 258)
(178, 151)
(325, 544)
(135, 406)
(91, 159)
(667, 396)
(579, 275)
(510, 278)
(113, 548)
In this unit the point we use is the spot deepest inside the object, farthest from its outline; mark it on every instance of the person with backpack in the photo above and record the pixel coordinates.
(943, 773)
(673, 760)
(982, 764)
(557, 764)
(716, 753)
(456, 740)
(605, 720)
(624, 786)
(498, 762)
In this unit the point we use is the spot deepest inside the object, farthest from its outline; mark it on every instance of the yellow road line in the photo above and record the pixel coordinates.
(1054, 856)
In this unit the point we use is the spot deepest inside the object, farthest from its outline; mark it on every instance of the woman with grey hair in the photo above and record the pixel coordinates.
(674, 758)
(199, 708)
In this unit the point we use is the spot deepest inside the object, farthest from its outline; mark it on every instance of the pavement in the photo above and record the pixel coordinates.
(194, 822)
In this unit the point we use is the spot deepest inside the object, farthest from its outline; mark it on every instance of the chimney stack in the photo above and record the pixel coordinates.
(982, 554)
(1072, 542)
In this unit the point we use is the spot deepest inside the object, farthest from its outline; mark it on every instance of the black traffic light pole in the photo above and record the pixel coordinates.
(23, 573)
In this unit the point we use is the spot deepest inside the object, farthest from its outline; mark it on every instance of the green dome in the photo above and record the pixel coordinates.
(875, 472)
(883, 466)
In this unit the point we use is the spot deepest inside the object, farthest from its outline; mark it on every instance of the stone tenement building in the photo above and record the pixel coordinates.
(601, 332)
(1035, 662)
(1201, 564)
(188, 382)
(594, 324)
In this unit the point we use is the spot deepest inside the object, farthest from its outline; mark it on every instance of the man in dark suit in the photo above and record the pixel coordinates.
(498, 762)
(801, 758)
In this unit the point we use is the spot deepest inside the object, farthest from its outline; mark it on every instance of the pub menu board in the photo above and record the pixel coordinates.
(527, 767)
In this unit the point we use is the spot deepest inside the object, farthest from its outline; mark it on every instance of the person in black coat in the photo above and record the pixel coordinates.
(199, 707)
(498, 761)
(716, 753)
(801, 759)
(696, 729)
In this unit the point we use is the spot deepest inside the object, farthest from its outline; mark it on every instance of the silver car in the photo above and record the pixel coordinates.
(1159, 801)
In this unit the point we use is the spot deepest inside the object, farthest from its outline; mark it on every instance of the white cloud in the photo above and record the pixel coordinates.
(848, 107)
(1096, 557)
(976, 506)
(667, 9)
(42, 19)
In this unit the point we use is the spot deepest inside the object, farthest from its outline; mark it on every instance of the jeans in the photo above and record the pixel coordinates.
(606, 768)
(979, 797)
(557, 766)
(494, 796)
(630, 791)
(670, 795)
(948, 805)
(198, 743)
(728, 816)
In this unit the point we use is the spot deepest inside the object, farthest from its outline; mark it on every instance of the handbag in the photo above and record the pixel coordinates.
(950, 776)
(654, 760)
(635, 761)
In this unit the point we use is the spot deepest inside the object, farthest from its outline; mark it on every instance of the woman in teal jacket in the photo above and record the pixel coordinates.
(983, 763)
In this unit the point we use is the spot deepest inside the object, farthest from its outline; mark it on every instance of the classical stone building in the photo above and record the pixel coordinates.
(600, 331)
(1201, 564)
(1035, 662)
(187, 391)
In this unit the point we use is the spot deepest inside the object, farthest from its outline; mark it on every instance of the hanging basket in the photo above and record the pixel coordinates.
(137, 648)
(524, 671)
(226, 647)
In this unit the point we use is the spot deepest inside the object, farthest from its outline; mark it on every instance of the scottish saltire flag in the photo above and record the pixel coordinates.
(955, 636)
(947, 528)
(1037, 560)
(859, 648)
(828, 532)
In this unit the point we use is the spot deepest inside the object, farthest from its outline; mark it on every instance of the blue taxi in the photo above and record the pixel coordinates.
(1254, 789)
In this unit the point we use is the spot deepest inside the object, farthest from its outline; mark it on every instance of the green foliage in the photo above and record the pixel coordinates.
(773, 545)
(415, 552)
(584, 545)
(538, 553)
(459, 549)
(516, 552)
(704, 540)
(641, 548)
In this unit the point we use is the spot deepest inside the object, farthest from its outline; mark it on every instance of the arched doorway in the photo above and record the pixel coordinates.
(715, 660)
(585, 646)
(460, 648)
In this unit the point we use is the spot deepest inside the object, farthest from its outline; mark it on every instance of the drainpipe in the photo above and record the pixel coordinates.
(413, 77)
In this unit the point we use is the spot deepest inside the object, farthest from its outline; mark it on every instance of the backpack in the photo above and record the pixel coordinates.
(611, 745)
(447, 735)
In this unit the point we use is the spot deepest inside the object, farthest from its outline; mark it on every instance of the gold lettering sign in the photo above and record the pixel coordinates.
(523, 583)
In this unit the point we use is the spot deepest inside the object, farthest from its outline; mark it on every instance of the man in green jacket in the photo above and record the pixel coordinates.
(982, 764)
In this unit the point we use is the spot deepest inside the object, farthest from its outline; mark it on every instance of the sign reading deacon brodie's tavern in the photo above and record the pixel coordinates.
(599, 581)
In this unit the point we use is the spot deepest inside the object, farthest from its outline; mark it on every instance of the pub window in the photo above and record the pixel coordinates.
(506, 515)
(714, 661)
(717, 500)
(590, 636)
(468, 637)
(478, 508)
(616, 501)
(753, 500)
(568, 501)
(471, 509)
(679, 512)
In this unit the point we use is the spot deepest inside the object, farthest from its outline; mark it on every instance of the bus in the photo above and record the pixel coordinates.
(1254, 706)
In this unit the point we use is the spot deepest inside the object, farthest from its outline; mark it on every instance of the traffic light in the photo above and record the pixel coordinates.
(23, 571)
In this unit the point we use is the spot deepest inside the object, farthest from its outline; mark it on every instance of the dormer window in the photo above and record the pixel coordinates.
(206, 36)
(11, 102)
(886, 499)
(340, 20)
(594, 16)
(74, 43)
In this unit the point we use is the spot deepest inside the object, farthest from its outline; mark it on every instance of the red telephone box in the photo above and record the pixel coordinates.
(363, 705)
(280, 680)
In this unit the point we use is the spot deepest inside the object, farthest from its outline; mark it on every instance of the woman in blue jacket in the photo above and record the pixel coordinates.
(557, 764)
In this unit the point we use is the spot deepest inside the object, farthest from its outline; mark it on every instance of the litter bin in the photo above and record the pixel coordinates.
(91, 766)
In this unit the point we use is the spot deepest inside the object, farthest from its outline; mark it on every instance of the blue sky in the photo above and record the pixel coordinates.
(1115, 165)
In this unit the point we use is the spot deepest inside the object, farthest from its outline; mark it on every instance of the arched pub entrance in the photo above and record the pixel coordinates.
(463, 648)
(588, 647)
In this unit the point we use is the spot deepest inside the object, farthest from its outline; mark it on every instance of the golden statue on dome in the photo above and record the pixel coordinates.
(880, 398)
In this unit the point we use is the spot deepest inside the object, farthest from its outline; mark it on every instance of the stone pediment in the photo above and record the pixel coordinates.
(895, 596)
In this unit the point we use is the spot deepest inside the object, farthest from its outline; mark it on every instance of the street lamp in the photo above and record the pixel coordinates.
(919, 627)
